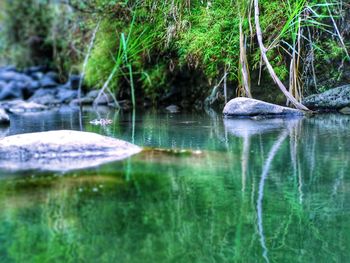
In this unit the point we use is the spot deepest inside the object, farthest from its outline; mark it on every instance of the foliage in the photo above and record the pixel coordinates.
(39, 32)
(168, 39)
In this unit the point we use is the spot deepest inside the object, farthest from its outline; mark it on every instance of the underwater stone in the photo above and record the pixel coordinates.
(245, 107)
(345, 110)
(61, 150)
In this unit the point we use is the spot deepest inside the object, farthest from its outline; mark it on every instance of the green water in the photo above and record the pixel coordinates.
(252, 191)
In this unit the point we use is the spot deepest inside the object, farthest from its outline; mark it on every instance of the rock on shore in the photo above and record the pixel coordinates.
(61, 150)
(38, 85)
(246, 107)
(333, 99)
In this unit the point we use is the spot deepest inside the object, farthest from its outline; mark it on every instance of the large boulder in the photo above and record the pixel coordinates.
(61, 150)
(331, 99)
(246, 107)
(4, 118)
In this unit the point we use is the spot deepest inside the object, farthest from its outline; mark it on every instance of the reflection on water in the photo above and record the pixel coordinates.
(259, 191)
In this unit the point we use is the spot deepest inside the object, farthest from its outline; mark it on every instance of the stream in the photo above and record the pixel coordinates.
(243, 191)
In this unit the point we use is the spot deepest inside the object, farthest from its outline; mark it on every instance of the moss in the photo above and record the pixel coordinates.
(212, 40)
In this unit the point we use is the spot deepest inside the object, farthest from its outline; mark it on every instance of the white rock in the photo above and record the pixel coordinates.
(241, 107)
(61, 150)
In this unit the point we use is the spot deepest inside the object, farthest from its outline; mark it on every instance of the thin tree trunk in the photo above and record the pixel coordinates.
(244, 62)
(263, 50)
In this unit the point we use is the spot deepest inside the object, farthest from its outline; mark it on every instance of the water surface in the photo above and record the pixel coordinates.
(251, 191)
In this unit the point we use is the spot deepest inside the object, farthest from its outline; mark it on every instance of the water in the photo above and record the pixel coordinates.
(253, 191)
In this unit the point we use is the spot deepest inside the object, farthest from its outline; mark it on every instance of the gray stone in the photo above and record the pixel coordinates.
(43, 92)
(92, 94)
(91, 97)
(45, 97)
(35, 69)
(332, 99)
(66, 95)
(82, 101)
(8, 76)
(31, 88)
(104, 99)
(37, 75)
(48, 100)
(48, 82)
(61, 150)
(2, 85)
(20, 106)
(4, 118)
(12, 90)
(8, 68)
(53, 75)
(245, 107)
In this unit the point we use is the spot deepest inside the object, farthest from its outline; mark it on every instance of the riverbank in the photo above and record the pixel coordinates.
(38, 89)
(189, 54)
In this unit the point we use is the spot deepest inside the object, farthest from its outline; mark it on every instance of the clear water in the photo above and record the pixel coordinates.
(252, 191)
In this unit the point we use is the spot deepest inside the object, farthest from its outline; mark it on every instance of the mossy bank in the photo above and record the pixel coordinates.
(179, 51)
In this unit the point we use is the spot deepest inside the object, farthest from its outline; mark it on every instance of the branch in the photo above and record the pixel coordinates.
(263, 51)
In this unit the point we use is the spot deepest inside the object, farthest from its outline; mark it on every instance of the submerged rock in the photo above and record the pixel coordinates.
(173, 109)
(345, 110)
(61, 150)
(331, 99)
(245, 107)
(4, 118)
